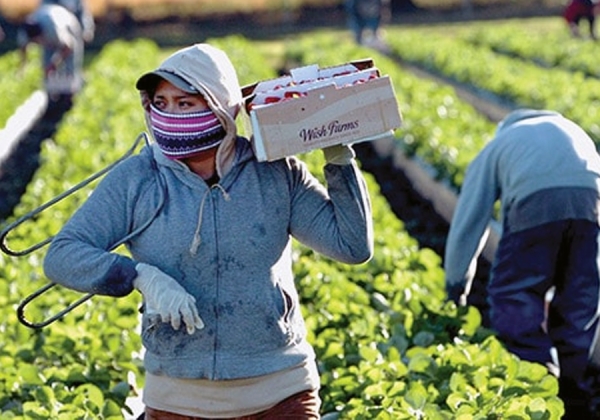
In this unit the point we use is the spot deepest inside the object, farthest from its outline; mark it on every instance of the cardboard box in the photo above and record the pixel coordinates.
(314, 108)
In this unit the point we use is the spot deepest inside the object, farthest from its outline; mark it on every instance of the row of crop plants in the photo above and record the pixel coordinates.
(520, 81)
(544, 41)
(388, 343)
(19, 80)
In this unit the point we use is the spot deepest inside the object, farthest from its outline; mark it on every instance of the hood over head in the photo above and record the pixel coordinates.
(206, 70)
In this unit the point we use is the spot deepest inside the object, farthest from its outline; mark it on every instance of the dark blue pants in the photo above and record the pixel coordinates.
(563, 254)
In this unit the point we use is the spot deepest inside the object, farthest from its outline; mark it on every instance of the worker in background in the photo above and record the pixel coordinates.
(545, 172)
(81, 11)
(59, 33)
(576, 10)
(364, 20)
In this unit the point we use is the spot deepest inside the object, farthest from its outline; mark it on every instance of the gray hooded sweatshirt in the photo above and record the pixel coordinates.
(535, 154)
(229, 245)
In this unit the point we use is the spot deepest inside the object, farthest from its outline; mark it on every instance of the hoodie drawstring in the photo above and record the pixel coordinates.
(197, 240)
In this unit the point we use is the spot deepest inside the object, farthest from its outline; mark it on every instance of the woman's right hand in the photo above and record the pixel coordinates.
(167, 298)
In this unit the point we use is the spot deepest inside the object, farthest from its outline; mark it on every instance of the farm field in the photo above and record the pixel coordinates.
(389, 345)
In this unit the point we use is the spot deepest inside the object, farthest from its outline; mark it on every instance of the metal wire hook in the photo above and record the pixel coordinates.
(4, 247)
(51, 319)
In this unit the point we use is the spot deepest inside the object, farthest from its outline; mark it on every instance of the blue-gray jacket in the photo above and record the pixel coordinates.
(240, 273)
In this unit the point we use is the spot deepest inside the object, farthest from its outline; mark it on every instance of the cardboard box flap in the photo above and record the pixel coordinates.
(301, 74)
(350, 67)
(265, 85)
(295, 91)
(305, 74)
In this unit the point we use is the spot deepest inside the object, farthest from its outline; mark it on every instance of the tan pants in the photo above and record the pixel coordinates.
(302, 406)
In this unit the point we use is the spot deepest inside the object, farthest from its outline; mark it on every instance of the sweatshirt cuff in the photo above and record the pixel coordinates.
(118, 281)
(455, 292)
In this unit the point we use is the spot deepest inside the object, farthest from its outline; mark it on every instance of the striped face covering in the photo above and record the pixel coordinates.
(181, 136)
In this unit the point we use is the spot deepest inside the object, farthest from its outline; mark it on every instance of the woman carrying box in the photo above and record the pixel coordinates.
(209, 230)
